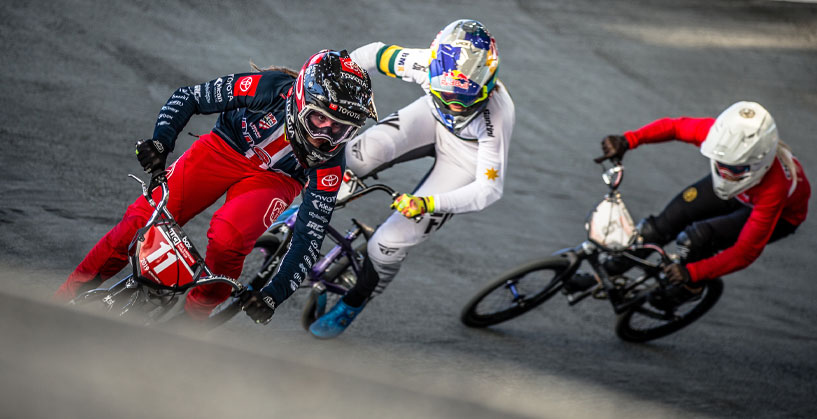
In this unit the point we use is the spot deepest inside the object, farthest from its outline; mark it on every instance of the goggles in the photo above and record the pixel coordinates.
(462, 99)
(732, 173)
(322, 126)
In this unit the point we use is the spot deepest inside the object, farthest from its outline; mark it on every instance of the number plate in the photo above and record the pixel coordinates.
(164, 257)
(610, 225)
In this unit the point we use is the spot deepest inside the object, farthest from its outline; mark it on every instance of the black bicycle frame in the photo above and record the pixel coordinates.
(591, 253)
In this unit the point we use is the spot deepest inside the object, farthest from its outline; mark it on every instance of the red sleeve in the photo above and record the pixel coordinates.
(771, 200)
(689, 130)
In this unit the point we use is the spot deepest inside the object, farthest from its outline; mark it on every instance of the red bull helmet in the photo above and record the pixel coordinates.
(462, 72)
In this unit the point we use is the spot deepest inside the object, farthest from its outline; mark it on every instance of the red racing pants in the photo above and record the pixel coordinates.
(205, 172)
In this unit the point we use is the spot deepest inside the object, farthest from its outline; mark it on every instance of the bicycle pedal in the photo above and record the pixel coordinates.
(579, 282)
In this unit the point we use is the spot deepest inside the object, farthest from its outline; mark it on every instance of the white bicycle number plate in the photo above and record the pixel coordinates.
(611, 226)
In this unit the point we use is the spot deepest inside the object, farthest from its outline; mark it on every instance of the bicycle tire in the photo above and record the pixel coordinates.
(474, 314)
(627, 331)
(268, 243)
(314, 308)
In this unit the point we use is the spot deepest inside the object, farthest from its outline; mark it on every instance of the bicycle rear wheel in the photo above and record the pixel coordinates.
(644, 322)
(515, 292)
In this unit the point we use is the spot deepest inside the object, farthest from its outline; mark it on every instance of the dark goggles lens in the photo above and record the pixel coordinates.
(730, 172)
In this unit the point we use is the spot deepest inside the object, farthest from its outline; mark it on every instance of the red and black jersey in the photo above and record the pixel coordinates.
(253, 111)
(771, 199)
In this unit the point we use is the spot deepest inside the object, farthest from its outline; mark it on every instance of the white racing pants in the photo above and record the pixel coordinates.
(410, 131)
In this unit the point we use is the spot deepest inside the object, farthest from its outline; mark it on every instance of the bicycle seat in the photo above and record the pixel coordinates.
(365, 229)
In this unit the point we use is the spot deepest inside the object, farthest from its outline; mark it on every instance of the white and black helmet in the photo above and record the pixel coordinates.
(741, 146)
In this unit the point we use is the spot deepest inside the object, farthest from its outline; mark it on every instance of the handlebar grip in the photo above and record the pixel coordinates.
(615, 160)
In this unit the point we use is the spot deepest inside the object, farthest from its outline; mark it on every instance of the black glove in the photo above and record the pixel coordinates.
(679, 290)
(677, 274)
(613, 146)
(258, 305)
(152, 155)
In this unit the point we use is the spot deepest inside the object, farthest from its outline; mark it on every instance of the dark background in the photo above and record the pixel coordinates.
(83, 80)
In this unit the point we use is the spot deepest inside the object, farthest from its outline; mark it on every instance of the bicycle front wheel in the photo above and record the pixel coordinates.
(515, 292)
(259, 266)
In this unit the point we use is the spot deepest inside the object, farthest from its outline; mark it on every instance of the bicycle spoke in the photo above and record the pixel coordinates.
(647, 322)
(666, 316)
(515, 292)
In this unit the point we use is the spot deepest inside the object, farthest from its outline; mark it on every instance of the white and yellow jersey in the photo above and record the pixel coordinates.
(478, 154)
(409, 64)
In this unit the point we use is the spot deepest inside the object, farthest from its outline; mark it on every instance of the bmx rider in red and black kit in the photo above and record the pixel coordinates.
(757, 193)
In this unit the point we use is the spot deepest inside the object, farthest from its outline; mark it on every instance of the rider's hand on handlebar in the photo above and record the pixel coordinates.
(152, 155)
(258, 305)
(677, 273)
(411, 206)
(680, 287)
(613, 147)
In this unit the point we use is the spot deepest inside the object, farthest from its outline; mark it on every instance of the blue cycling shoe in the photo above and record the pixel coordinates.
(335, 321)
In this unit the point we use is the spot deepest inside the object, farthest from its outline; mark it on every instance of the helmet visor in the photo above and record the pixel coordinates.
(462, 99)
(323, 127)
(732, 173)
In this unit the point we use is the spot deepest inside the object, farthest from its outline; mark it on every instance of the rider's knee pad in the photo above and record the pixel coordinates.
(683, 239)
(696, 240)
(698, 234)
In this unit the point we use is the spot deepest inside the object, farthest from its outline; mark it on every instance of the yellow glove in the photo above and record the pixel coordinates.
(411, 206)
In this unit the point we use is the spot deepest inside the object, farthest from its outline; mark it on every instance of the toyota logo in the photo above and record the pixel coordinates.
(330, 180)
(245, 84)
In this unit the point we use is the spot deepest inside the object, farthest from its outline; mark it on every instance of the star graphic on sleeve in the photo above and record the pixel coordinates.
(491, 174)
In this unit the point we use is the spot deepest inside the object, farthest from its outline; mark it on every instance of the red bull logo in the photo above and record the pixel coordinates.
(454, 78)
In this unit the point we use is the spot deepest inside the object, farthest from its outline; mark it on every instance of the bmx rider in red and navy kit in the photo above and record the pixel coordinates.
(279, 133)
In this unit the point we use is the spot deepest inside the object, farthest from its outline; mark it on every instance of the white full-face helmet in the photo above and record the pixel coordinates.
(741, 146)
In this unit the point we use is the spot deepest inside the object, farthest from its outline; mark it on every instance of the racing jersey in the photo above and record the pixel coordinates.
(771, 199)
(489, 132)
(253, 111)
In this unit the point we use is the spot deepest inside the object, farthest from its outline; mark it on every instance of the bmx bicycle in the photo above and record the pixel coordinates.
(637, 295)
(165, 265)
(331, 276)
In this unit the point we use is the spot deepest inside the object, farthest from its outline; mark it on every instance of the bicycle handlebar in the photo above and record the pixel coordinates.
(365, 189)
(159, 179)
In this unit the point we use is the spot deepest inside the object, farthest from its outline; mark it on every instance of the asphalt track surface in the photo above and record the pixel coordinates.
(83, 80)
